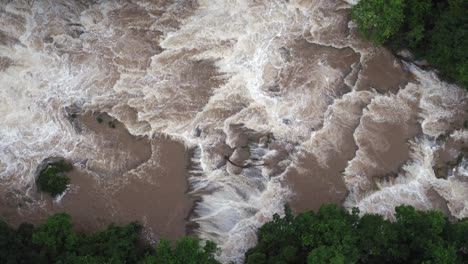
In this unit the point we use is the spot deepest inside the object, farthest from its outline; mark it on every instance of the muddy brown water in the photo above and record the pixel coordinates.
(156, 197)
(288, 84)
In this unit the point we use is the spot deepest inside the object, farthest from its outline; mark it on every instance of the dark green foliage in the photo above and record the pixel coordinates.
(111, 124)
(16, 245)
(256, 258)
(99, 119)
(187, 250)
(52, 179)
(448, 42)
(115, 244)
(378, 19)
(378, 238)
(434, 30)
(289, 229)
(458, 233)
(55, 237)
(56, 242)
(332, 235)
(415, 24)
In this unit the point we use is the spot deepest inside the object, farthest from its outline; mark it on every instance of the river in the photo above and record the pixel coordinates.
(287, 89)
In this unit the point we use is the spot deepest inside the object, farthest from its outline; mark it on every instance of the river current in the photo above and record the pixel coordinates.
(287, 89)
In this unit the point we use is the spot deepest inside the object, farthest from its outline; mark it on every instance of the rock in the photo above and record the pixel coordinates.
(76, 33)
(197, 132)
(275, 88)
(264, 141)
(45, 163)
(285, 54)
(72, 113)
(406, 54)
(239, 156)
(422, 63)
(48, 39)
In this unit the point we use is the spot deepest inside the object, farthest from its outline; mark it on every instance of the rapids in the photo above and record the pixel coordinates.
(285, 83)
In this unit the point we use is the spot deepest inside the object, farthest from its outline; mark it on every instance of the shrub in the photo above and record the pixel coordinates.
(52, 179)
(55, 241)
(333, 235)
(378, 19)
(434, 30)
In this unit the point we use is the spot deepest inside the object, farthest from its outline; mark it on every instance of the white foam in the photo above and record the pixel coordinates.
(110, 67)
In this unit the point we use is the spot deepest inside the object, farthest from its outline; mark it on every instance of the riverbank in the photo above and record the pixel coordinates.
(144, 180)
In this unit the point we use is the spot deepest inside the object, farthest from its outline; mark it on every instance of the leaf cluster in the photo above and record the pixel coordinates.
(333, 235)
(52, 179)
(434, 30)
(56, 242)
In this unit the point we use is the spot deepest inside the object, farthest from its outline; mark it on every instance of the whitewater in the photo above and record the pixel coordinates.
(287, 84)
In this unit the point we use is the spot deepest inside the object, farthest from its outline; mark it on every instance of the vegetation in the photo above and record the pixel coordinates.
(52, 179)
(434, 30)
(332, 235)
(379, 19)
(56, 242)
(186, 250)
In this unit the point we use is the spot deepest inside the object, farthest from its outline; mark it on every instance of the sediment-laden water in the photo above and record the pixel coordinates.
(288, 85)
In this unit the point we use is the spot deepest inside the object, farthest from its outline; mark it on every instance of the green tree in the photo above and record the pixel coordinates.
(416, 24)
(187, 250)
(52, 179)
(333, 235)
(377, 240)
(332, 230)
(326, 255)
(448, 42)
(280, 239)
(55, 237)
(116, 244)
(378, 20)
(56, 242)
(458, 234)
(256, 258)
(434, 30)
(421, 234)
